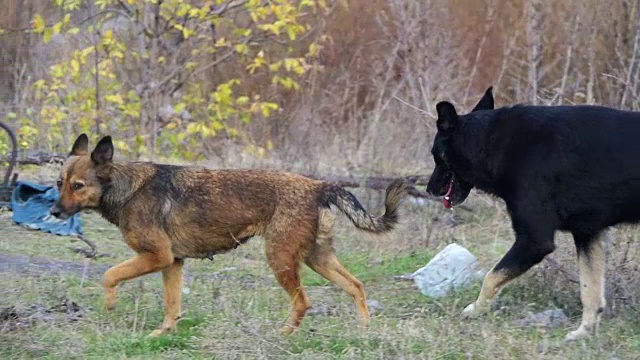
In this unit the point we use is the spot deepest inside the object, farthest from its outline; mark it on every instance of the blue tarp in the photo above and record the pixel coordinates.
(30, 204)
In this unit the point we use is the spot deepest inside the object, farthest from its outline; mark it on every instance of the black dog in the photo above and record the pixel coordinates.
(568, 168)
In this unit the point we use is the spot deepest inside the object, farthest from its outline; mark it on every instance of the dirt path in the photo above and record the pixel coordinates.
(39, 265)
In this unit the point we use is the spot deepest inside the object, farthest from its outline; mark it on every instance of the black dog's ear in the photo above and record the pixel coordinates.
(486, 103)
(103, 153)
(81, 146)
(447, 116)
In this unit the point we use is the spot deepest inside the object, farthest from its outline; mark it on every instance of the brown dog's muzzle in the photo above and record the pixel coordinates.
(56, 211)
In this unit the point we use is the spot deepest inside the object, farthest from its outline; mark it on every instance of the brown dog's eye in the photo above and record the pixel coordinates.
(77, 186)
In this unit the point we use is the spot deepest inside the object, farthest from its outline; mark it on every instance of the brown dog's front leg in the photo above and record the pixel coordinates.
(142, 264)
(172, 278)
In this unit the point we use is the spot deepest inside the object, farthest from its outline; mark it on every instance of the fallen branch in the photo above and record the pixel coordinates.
(42, 159)
(90, 254)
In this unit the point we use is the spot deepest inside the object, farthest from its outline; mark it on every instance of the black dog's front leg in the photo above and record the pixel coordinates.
(534, 241)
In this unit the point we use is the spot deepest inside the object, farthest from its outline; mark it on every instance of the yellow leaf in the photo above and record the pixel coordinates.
(313, 49)
(57, 27)
(179, 107)
(241, 48)
(75, 65)
(186, 32)
(108, 37)
(183, 9)
(206, 132)
(193, 128)
(171, 126)
(242, 100)
(265, 111)
(217, 125)
(292, 32)
(275, 66)
(115, 98)
(221, 42)
(73, 31)
(57, 71)
(38, 23)
(47, 34)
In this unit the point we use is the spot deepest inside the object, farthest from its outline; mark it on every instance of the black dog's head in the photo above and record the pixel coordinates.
(448, 155)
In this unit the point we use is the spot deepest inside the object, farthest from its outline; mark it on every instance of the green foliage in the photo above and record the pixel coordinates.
(138, 58)
(125, 343)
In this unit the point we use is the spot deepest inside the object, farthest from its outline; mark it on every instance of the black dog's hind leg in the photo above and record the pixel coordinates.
(534, 241)
(591, 263)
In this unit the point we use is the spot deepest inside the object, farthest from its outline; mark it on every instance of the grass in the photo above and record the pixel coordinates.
(366, 269)
(232, 307)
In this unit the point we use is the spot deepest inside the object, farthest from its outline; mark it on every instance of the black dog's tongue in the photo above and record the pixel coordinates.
(446, 200)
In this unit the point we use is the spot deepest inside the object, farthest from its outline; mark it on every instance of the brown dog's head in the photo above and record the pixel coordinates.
(82, 177)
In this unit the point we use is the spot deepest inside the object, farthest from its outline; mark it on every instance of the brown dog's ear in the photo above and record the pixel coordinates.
(103, 153)
(486, 103)
(81, 146)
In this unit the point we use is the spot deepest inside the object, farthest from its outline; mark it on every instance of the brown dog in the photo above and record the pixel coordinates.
(169, 213)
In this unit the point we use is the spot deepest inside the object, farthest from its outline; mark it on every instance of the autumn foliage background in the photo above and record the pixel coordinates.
(365, 95)
(333, 87)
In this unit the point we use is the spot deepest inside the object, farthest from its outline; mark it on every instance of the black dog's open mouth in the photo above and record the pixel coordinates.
(446, 200)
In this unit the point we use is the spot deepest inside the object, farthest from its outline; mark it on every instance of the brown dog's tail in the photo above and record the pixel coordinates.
(350, 206)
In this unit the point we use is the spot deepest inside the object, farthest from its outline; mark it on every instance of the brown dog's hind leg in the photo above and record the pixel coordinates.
(284, 260)
(172, 279)
(323, 260)
(289, 278)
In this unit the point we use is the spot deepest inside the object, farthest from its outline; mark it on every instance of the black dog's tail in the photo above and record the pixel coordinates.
(350, 206)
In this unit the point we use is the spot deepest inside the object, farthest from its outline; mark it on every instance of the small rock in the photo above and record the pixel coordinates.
(451, 268)
(374, 306)
(226, 269)
(322, 310)
(317, 310)
(547, 319)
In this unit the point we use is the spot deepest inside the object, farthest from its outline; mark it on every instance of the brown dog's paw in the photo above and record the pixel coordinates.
(287, 330)
(157, 332)
(160, 332)
(109, 299)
